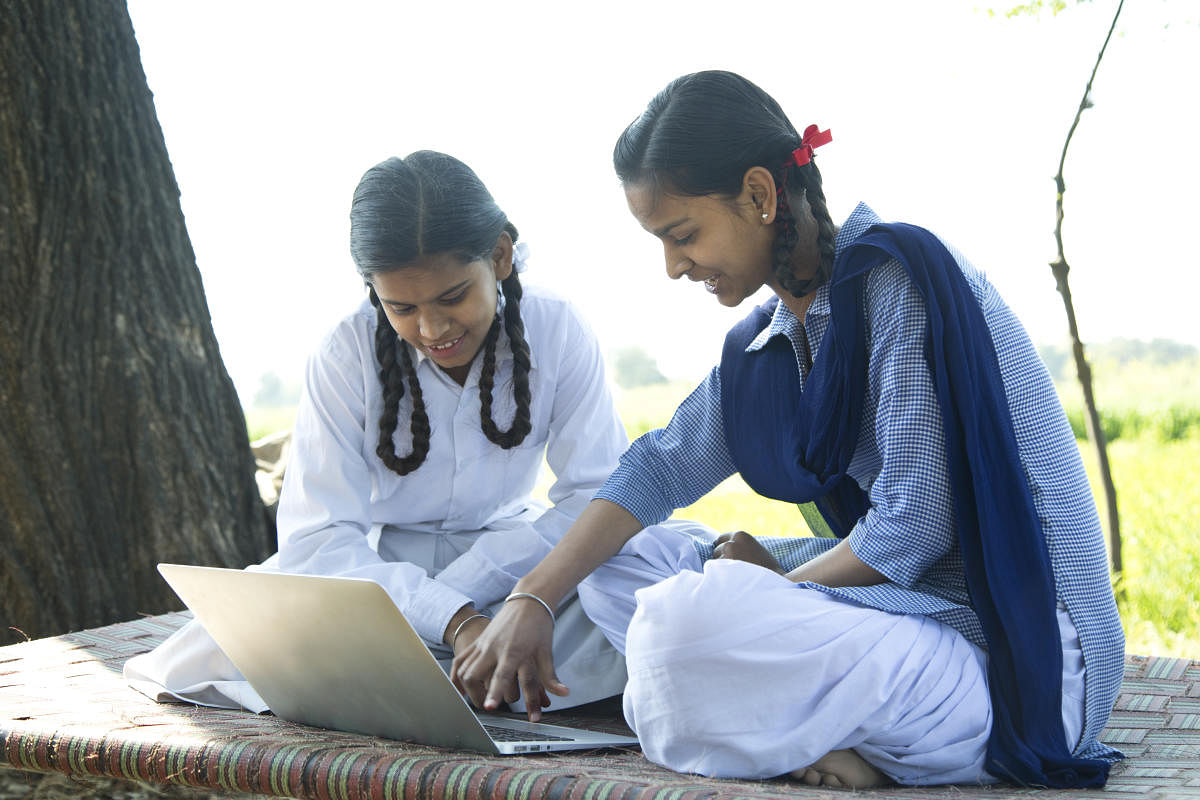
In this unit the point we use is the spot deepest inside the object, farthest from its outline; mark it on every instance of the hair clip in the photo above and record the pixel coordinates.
(812, 138)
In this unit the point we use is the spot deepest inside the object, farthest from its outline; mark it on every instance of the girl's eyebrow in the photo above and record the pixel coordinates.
(451, 290)
(663, 230)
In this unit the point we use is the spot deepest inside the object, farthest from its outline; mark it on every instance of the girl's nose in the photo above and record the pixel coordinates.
(432, 325)
(677, 265)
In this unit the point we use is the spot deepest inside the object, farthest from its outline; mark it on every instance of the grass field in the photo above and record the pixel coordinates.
(263, 421)
(1155, 465)
(1159, 504)
(1139, 399)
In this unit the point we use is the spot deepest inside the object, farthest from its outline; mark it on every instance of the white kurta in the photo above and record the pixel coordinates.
(461, 528)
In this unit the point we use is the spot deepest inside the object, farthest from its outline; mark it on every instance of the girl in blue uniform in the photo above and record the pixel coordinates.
(960, 626)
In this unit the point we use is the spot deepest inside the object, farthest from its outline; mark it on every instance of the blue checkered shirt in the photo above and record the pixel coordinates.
(908, 534)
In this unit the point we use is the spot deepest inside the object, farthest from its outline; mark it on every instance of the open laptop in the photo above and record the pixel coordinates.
(337, 653)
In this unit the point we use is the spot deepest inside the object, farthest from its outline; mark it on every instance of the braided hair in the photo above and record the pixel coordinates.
(700, 135)
(515, 328)
(407, 209)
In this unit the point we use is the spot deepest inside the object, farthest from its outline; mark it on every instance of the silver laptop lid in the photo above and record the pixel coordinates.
(336, 653)
(330, 652)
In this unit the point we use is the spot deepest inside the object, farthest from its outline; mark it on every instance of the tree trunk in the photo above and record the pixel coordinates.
(122, 442)
(1060, 268)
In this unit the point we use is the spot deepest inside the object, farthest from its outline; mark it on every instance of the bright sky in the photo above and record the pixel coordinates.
(941, 115)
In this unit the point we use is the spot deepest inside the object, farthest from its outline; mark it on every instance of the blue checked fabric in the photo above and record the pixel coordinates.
(908, 534)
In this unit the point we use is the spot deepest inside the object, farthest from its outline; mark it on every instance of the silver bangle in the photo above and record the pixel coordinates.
(462, 625)
(531, 596)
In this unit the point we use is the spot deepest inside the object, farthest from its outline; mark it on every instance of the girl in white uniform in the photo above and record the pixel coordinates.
(421, 430)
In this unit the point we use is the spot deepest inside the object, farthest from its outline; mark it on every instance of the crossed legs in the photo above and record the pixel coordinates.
(736, 672)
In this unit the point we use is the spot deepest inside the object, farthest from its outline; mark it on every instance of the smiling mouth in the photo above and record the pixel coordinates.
(710, 283)
(442, 348)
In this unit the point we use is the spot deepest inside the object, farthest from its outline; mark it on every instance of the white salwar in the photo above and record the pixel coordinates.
(737, 672)
(462, 528)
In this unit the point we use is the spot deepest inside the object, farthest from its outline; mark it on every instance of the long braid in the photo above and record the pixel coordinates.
(487, 380)
(393, 371)
(786, 237)
(515, 328)
(809, 178)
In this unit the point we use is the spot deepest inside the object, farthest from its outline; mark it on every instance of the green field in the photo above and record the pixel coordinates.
(1155, 456)
(1139, 399)
(261, 422)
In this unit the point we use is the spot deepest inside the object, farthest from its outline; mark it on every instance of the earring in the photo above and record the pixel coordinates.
(764, 216)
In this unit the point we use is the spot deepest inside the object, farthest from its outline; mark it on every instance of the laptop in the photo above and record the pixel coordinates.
(337, 653)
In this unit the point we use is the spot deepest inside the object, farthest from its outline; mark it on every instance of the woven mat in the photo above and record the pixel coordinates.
(64, 708)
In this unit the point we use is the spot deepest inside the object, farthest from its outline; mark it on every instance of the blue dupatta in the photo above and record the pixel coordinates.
(796, 446)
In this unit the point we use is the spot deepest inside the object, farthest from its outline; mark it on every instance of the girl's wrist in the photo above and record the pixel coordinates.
(459, 628)
(456, 621)
(544, 593)
(532, 598)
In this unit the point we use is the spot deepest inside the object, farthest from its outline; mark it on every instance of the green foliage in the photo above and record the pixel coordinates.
(1034, 8)
(1169, 424)
(262, 422)
(635, 367)
(1177, 423)
(1142, 389)
(1160, 530)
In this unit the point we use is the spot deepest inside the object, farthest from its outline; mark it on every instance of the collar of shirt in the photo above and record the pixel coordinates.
(783, 321)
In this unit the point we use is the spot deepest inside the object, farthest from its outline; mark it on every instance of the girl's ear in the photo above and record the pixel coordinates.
(758, 190)
(502, 256)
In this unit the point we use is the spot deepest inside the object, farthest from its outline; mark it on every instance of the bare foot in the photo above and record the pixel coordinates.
(842, 769)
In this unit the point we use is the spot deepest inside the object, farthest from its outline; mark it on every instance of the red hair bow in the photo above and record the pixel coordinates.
(812, 138)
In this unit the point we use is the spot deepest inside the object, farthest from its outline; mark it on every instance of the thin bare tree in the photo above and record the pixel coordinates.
(1083, 370)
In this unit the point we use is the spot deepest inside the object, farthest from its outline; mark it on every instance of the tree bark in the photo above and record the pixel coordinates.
(122, 442)
(1083, 370)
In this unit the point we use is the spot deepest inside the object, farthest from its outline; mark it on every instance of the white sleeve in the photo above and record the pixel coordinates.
(585, 440)
(325, 507)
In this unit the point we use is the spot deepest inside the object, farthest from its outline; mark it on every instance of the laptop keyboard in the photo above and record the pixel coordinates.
(511, 735)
